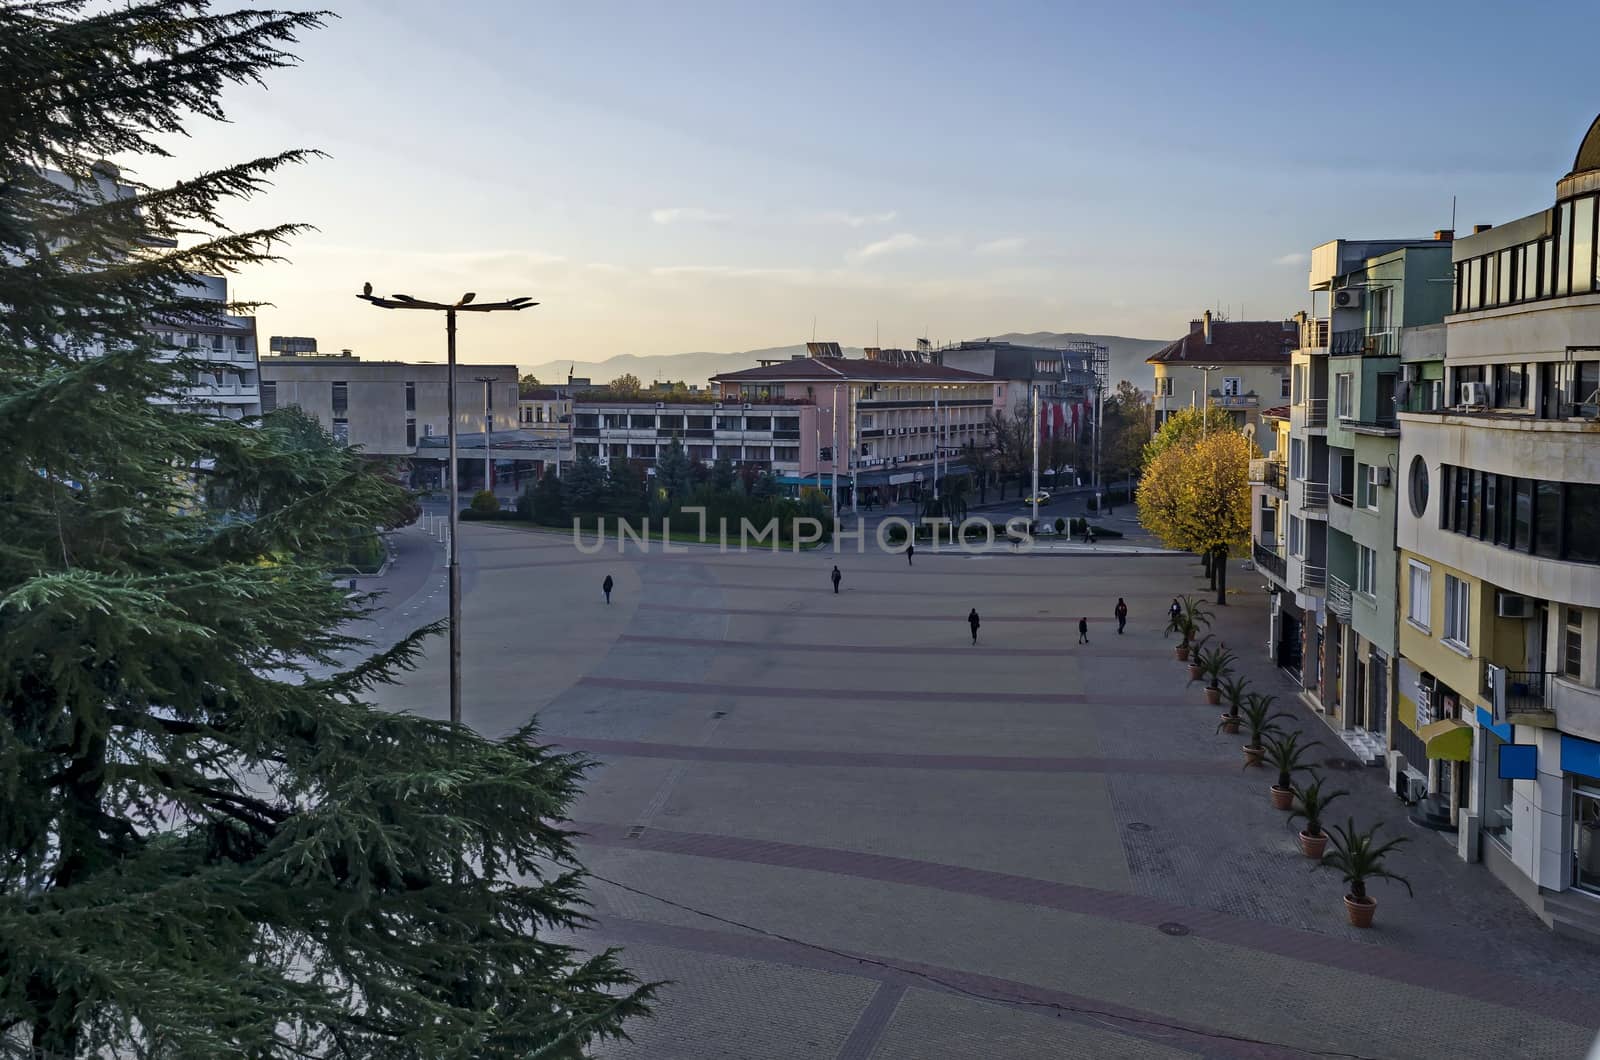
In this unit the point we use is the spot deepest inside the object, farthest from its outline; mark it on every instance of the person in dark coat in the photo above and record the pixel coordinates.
(607, 586)
(837, 578)
(1083, 630)
(911, 550)
(972, 620)
(1172, 615)
(1122, 614)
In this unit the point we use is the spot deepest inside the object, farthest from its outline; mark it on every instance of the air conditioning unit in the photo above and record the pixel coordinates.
(1512, 605)
(1416, 788)
(1348, 298)
(661, 404)
(747, 406)
(1408, 373)
(717, 406)
(1383, 476)
(1473, 395)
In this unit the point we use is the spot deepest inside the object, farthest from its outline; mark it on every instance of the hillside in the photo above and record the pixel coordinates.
(1127, 360)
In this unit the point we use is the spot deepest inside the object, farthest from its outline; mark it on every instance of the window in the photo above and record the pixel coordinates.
(1505, 293)
(427, 430)
(1572, 644)
(1563, 247)
(341, 398)
(411, 397)
(1230, 386)
(1583, 244)
(1296, 543)
(269, 396)
(1582, 515)
(1419, 486)
(1419, 594)
(1547, 519)
(1341, 395)
(1456, 610)
(1298, 392)
(1283, 390)
(1522, 516)
(411, 433)
(1297, 458)
(341, 431)
(1369, 487)
(1366, 570)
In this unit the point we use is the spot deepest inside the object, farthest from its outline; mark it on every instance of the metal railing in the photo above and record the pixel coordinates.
(1348, 341)
(1526, 691)
(1339, 599)
(1312, 576)
(1383, 342)
(1275, 475)
(1314, 334)
(1234, 401)
(1316, 412)
(1341, 495)
(1268, 558)
(1315, 495)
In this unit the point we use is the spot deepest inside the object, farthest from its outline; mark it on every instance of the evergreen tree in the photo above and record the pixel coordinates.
(582, 486)
(546, 504)
(765, 486)
(723, 475)
(210, 844)
(674, 470)
(624, 488)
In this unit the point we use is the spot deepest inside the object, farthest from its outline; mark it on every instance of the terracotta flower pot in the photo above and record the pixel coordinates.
(1360, 910)
(1181, 652)
(1230, 723)
(1213, 696)
(1194, 671)
(1252, 755)
(1282, 798)
(1312, 847)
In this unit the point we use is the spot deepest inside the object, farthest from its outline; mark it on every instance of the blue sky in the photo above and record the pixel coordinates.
(679, 177)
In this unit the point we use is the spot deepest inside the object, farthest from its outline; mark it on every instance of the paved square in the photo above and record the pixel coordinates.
(846, 832)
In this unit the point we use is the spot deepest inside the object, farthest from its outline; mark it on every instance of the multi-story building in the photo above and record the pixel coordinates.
(1238, 365)
(784, 437)
(385, 406)
(1065, 377)
(901, 421)
(223, 377)
(543, 407)
(1499, 532)
(1332, 504)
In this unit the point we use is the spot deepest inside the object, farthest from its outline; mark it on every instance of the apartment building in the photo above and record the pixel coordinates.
(223, 378)
(386, 406)
(1067, 378)
(1499, 538)
(543, 407)
(784, 437)
(901, 420)
(1238, 365)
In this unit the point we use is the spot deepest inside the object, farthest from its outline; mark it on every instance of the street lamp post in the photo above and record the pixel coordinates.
(464, 305)
(488, 427)
(1205, 406)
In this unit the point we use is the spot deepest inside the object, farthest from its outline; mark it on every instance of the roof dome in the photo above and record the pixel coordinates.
(1588, 151)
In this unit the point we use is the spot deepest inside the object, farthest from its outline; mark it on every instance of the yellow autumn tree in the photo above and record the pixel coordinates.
(1197, 498)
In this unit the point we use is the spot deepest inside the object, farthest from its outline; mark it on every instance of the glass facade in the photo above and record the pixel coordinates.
(1557, 520)
(1541, 268)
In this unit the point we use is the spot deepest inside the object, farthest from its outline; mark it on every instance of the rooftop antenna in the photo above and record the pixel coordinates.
(1452, 213)
(813, 327)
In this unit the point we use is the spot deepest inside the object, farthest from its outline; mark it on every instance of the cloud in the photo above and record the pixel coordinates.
(853, 220)
(1297, 258)
(1007, 245)
(673, 214)
(892, 245)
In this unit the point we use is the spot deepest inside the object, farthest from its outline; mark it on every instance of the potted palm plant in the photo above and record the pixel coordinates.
(1233, 690)
(1358, 857)
(1212, 664)
(1309, 803)
(1259, 721)
(1191, 618)
(1196, 650)
(1284, 753)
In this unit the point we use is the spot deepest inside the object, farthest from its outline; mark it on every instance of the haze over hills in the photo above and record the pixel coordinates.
(1127, 360)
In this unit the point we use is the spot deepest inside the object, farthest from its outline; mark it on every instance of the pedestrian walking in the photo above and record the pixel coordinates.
(972, 620)
(1122, 614)
(837, 578)
(607, 586)
(911, 550)
(1172, 615)
(1083, 630)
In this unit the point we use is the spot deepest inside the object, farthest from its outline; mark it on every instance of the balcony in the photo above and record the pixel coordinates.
(1316, 412)
(1269, 559)
(1313, 578)
(1347, 342)
(1265, 471)
(1314, 495)
(1339, 597)
(1519, 696)
(1577, 705)
(1219, 400)
(1381, 426)
(1314, 334)
(1340, 494)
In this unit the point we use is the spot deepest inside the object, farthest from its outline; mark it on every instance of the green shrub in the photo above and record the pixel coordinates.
(485, 502)
(1061, 525)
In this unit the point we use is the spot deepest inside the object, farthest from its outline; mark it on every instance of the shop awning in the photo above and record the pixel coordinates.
(1450, 740)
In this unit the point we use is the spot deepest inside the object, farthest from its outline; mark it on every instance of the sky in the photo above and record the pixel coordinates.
(665, 178)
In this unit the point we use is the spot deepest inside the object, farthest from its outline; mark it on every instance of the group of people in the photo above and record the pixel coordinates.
(973, 620)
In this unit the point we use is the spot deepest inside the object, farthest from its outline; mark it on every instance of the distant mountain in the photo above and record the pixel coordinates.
(1127, 360)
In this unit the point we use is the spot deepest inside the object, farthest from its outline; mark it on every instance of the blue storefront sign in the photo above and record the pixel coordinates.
(1580, 756)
